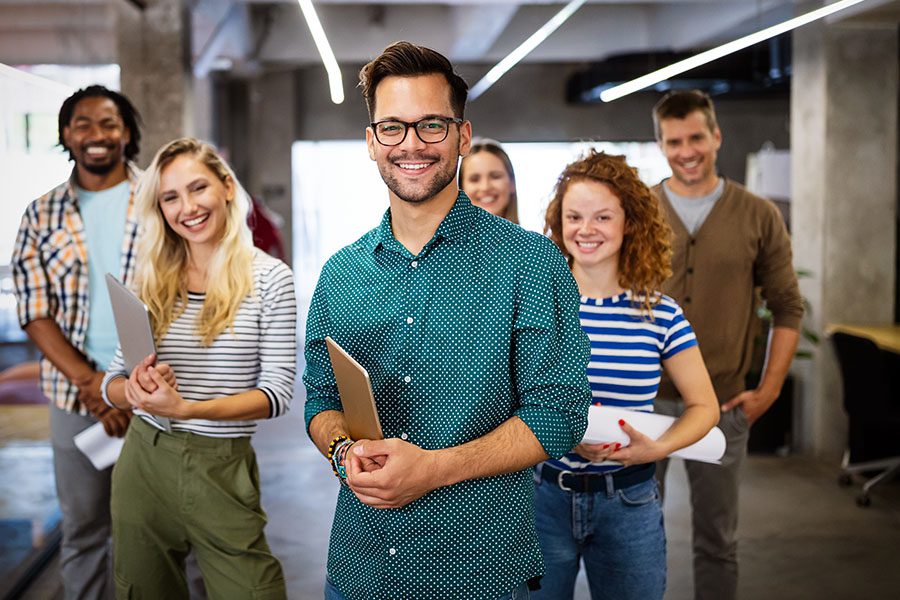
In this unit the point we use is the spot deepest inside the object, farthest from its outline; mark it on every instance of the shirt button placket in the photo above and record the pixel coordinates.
(689, 271)
(409, 332)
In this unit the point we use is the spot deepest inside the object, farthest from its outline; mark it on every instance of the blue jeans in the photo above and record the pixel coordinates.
(520, 593)
(618, 533)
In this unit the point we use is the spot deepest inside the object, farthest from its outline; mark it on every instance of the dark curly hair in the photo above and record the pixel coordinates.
(646, 253)
(130, 116)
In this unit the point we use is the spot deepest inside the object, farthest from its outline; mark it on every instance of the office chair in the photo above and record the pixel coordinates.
(873, 411)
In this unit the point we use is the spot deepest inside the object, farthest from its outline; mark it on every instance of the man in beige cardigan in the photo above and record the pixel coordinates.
(727, 242)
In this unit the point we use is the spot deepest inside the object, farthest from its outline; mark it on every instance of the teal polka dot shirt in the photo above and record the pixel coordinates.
(480, 326)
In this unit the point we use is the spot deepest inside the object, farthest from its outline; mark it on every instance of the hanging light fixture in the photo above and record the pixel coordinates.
(335, 82)
(524, 49)
(614, 93)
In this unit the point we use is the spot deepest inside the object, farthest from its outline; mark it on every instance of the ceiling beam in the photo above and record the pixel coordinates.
(477, 28)
(231, 27)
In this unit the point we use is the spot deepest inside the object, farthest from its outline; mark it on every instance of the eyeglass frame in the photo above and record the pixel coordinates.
(414, 125)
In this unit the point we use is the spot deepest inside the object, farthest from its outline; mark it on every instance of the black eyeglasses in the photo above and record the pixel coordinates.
(431, 130)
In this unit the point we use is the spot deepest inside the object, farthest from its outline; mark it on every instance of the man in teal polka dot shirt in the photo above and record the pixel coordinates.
(468, 327)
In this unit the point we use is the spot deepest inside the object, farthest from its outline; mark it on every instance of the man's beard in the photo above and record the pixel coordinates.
(102, 169)
(439, 181)
(704, 174)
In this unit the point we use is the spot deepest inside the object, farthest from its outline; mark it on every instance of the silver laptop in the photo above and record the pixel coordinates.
(133, 326)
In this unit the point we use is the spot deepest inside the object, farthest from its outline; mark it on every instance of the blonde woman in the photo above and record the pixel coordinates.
(223, 316)
(599, 503)
(486, 175)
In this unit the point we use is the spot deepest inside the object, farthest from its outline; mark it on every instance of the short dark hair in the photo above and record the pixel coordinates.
(404, 59)
(130, 116)
(679, 104)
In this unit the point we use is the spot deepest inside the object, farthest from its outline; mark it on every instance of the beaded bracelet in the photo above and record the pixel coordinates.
(337, 450)
(337, 462)
(340, 453)
(331, 448)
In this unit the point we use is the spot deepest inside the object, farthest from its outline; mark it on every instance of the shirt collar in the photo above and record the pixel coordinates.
(456, 226)
(132, 172)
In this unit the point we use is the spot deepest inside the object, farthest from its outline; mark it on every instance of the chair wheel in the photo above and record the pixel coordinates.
(844, 480)
(863, 501)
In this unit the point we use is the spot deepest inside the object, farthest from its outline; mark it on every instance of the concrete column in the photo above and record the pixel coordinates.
(202, 109)
(844, 161)
(154, 56)
(270, 135)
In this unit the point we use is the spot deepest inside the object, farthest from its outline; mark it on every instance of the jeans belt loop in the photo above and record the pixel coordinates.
(610, 484)
(559, 481)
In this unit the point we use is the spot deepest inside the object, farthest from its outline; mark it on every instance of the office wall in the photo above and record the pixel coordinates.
(258, 116)
(528, 104)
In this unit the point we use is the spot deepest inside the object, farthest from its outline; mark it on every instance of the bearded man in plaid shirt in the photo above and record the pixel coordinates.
(68, 240)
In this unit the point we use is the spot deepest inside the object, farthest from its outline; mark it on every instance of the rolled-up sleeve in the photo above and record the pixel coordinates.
(318, 377)
(278, 339)
(115, 369)
(551, 351)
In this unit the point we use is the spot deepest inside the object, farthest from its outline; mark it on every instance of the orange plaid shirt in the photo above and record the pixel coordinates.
(50, 274)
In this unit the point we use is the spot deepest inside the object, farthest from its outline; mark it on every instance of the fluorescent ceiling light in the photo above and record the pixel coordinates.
(335, 83)
(614, 93)
(26, 77)
(524, 49)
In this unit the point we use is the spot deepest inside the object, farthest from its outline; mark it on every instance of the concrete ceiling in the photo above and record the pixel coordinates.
(262, 33)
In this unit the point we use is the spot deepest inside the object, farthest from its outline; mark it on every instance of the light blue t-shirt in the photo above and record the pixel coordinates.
(103, 214)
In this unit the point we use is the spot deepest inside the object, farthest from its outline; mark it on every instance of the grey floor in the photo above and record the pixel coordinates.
(801, 536)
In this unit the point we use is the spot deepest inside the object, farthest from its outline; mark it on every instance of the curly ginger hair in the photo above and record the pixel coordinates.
(646, 253)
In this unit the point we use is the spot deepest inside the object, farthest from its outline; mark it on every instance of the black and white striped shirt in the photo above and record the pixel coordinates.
(260, 353)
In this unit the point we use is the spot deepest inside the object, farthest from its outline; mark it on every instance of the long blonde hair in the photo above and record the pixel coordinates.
(162, 256)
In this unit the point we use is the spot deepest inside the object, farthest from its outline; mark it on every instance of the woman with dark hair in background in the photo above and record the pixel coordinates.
(486, 176)
(600, 502)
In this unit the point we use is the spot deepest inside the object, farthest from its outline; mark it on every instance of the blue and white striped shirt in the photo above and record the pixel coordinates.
(627, 350)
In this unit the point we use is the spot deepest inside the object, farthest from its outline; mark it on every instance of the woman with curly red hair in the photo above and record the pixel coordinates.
(600, 502)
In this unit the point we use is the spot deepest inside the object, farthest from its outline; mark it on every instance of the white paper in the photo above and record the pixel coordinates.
(603, 427)
(101, 449)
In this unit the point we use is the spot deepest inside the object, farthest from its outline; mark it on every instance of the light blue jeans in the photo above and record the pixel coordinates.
(520, 593)
(618, 533)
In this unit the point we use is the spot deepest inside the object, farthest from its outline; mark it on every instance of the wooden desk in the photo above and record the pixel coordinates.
(886, 337)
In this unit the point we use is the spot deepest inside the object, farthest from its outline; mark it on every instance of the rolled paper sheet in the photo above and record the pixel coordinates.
(101, 449)
(603, 427)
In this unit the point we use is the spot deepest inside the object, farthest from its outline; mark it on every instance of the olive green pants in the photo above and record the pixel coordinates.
(173, 492)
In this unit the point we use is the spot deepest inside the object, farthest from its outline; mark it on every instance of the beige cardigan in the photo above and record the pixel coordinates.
(743, 244)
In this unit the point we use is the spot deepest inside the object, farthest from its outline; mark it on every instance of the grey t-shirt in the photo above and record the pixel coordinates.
(693, 211)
